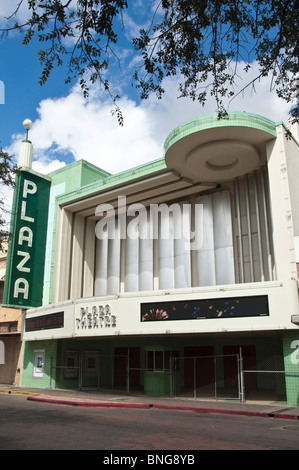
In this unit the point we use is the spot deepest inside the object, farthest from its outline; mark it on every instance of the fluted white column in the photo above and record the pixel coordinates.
(182, 260)
(205, 254)
(113, 268)
(146, 256)
(166, 252)
(131, 261)
(223, 238)
(101, 267)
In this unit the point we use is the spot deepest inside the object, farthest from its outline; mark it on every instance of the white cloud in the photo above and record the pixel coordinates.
(45, 166)
(8, 8)
(86, 129)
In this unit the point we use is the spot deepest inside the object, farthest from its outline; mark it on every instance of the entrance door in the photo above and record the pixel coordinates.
(198, 366)
(120, 366)
(231, 366)
(90, 369)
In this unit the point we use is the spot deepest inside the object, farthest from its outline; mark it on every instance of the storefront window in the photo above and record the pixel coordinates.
(150, 360)
(159, 360)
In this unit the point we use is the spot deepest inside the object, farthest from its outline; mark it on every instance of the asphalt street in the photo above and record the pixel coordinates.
(34, 425)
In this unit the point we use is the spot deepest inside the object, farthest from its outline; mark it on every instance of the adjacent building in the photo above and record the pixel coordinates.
(176, 277)
(10, 333)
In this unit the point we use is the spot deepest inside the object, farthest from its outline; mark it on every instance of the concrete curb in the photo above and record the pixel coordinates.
(10, 392)
(230, 412)
(98, 404)
(87, 403)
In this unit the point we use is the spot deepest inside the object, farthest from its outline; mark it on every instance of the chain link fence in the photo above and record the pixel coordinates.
(222, 377)
(268, 385)
(207, 377)
(92, 371)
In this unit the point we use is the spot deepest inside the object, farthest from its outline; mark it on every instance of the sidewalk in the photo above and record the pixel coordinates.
(109, 400)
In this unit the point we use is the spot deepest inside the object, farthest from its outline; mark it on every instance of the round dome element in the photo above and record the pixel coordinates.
(27, 124)
(222, 160)
(212, 150)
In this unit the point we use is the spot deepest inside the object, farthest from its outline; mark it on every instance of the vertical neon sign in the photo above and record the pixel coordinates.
(26, 254)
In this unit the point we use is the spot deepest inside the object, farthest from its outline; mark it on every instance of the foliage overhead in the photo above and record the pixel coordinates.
(7, 173)
(201, 41)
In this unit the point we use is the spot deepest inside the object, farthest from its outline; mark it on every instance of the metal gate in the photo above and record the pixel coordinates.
(207, 377)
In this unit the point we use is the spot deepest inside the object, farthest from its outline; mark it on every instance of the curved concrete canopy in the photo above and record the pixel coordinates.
(222, 160)
(214, 150)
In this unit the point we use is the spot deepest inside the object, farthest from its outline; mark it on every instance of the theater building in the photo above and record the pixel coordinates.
(177, 277)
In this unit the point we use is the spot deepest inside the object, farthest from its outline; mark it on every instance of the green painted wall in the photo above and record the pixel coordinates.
(113, 180)
(291, 361)
(50, 348)
(77, 174)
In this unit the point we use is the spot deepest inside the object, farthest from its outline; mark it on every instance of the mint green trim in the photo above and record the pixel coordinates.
(78, 174)
(212, 121)
(80, 163)
(55, 191)
(113, 180)
(291, 356)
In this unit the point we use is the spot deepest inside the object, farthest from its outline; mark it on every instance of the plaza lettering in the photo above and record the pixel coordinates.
(25, 242)
(97, 316)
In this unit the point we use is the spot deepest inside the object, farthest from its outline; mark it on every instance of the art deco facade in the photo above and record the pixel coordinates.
(175, 277)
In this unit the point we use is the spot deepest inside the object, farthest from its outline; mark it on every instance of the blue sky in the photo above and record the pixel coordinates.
(68, 127)
(19, 71)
